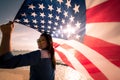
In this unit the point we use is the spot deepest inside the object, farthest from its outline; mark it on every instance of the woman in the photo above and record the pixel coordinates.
(42, 62)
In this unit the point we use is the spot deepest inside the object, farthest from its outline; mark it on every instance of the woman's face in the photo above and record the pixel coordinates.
(42, 43)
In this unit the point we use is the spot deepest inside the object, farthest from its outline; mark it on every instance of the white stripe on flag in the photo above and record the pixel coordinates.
(92, 3)
(110, 31)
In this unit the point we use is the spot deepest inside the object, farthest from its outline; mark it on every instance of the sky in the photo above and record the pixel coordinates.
(23, 38)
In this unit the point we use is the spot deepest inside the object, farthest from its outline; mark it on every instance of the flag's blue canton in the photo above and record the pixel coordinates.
(61, 18)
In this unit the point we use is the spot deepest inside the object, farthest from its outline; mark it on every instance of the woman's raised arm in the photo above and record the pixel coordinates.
(6, 30)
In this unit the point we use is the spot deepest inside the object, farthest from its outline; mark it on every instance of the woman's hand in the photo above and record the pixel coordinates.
(7, 28)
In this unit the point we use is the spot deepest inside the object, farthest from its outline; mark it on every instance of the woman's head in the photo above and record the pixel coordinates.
(45, 41)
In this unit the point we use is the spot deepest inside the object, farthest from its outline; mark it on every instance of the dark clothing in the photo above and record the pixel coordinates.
(40, 69)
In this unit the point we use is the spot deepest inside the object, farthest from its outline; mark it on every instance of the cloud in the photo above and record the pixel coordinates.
(24, 37)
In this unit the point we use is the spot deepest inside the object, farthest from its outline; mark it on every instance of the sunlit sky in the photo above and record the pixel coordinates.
(23, 38)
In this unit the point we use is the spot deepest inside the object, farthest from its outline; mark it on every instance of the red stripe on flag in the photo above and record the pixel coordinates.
(91, 68)
(55, 45)
(106, 49)
(64, 58)
(108, 11)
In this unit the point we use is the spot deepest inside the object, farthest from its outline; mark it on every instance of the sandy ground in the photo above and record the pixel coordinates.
(62, 73)
(14, 74)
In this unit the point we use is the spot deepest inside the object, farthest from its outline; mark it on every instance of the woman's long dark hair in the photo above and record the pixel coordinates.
(50, 48)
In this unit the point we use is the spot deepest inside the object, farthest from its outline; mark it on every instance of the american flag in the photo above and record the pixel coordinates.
(62, 19)
(96, 23)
